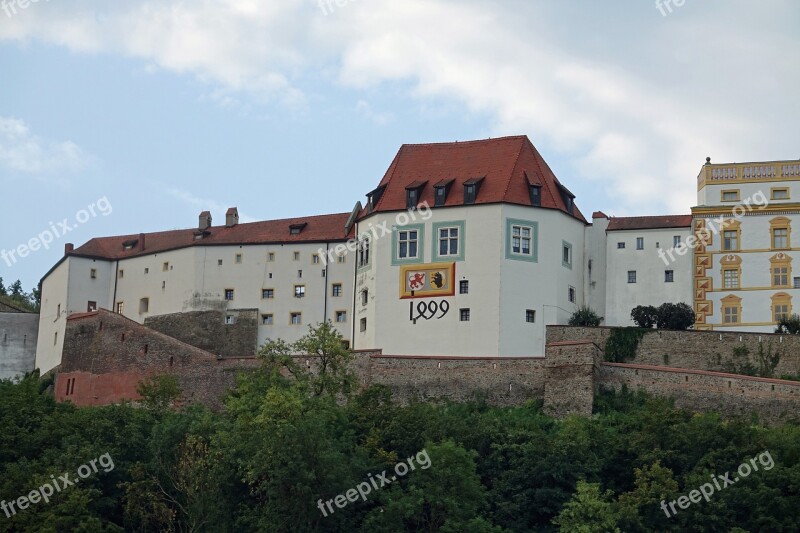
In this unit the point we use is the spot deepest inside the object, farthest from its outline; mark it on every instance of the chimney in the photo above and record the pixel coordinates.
(141, 241)
(205, 220)
(68, 248)
(231, 217)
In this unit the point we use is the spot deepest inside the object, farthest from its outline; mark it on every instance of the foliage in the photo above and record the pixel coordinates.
(585, 316)
(622, 343)
(763, 366)
(789, 325)
(159, 392)
(675, 316)
(588, 511)
(644, 316)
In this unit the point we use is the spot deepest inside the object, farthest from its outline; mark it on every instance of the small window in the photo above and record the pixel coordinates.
(55, 338)
(730, 278)
(121, 273)
(297, 256)
(536, 195)
(412, 198)
(144, 305)
(267, 320)
(364, 297)
(530, 316)
(730, 196)
(58, 312)
(780, 238)
(407, 244)
(315, 259)
(165, 266)
(230, 319)
(669, 276)
(463, 314)
(730, 240)
(780, 194)
(336, 290)
(299, 291)
(146, 270)
(566, 255)
(341, 258)
(271, 256)
(341, 316)
(238, 259)
(92, 306)
(469, 194)
(620, 245)
(463, 286)
(631, 276)
(797, 283)
(299, 274)
(640, 243)
(571, 294)
(267, 294)
(145, 349)
(676, 241)
(219, 262)
(362, 324)
(163, 284)
(296, 318)
(93, 273)
(120, 307)
(294, 230)
(521, 240)
(229, 294)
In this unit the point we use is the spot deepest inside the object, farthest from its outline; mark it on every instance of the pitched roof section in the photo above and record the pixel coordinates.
(666, 221)
(322, 228)
(507, 165)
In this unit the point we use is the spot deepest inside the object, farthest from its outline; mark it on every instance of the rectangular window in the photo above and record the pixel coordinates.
(730, 196)
(341, 316)
(299, 291)
(780, 238)
(676, 241)
(571, 294)
(730, 278)
(165, 266)
(297, 256)
(55, 338)
(146, 270)
(267, 294)
(92, 306)
(463, 314)
(120, 307)
(730, 240)
(463, 286)
(363, 252)
(315, 259)
(144, 305)
(230, 319)
(362, 324)
(121, 273)
(336, 290)
(93, 273)
(530, 316)
(470, 192)
(341, 258)
(669, 276)
(780, 194)
(780, 276)
(267, 320)
(797, 283)
(407, 244)
(781, 312)
(631, 276)
(620, 245)
(566, 254)
(299, 274)
(448, 241)
(238, 259)
(364, 297)
(296, 318)
(441, 196)
(219, 262)
(229, 294)
(521, 239)
(730, 315)
(271, 256)
(536, 195)
(412, 198)
(640, 243)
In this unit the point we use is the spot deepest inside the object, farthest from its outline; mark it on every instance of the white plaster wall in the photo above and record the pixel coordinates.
(595, 250)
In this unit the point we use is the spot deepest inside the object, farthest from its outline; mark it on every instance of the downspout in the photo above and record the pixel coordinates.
(327, 273)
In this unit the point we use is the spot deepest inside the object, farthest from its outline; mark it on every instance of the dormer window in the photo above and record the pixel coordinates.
(535, 190)
(130, 244)
(442, 188)
(295, 229)
(413, 193)
(471, 188)
(374, 196)
(568, 198)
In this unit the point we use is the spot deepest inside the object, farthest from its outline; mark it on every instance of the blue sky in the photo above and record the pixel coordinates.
(283, 108)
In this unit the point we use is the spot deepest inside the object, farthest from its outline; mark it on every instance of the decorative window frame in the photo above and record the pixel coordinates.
(734, 302)
(730, 262)
(568, 264)
(780, 298)
(780, 260)
(533, 257)
(774, 189)
(462, 241)
(731, 225)
(420, 229)
(723, 192)
(780, 223)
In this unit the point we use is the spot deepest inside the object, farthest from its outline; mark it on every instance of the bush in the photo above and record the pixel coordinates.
(585, 316)
(674, 316)
(622, 343)
(789, 325)
(644, 316)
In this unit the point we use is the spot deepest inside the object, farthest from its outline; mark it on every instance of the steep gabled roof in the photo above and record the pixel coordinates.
(507, 164)
(655, 222)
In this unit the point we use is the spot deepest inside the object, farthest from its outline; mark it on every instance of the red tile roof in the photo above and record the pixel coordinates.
(665, 221)
(506, 163)
(599, 214)
(322, 228)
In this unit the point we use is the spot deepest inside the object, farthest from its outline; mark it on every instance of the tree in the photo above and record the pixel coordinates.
(585, 316)
(588, 511)
(159, 392)
(645, 316)
(675, 316)
(3, 291)
(789, 325)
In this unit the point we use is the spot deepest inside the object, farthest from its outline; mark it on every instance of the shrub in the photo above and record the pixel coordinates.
(645, 316)
(674, 316)
(789, 325)
(585, 316)
(622, 343)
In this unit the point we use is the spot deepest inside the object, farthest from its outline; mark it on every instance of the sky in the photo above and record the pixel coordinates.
(133, 116)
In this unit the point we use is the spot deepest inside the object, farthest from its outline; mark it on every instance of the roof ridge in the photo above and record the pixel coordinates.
(460, 143)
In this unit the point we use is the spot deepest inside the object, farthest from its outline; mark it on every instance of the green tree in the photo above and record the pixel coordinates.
(674, 316)
(159, 392)
(644, 316)
(588, 511)
(585, 316)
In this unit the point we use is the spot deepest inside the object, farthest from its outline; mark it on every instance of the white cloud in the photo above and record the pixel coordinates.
(631, 99)
(204, 204)
(22, 152)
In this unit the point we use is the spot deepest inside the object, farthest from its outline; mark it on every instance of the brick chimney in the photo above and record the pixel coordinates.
(231, 217)
(68, 248)
(141, 241)
(205, 220)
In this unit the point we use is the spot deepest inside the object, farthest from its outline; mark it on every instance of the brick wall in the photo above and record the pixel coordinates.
(18, 336)
(207, 330)
(570, 377)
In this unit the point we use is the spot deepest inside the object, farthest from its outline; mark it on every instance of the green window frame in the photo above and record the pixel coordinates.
(568, 264)
(396, 244)
(462, 240)
(533, 256)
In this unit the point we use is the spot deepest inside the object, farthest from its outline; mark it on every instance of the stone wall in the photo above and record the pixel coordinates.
(570, 377)
(207, 330)
(772, 400)
(18, 335)
(699, 350)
